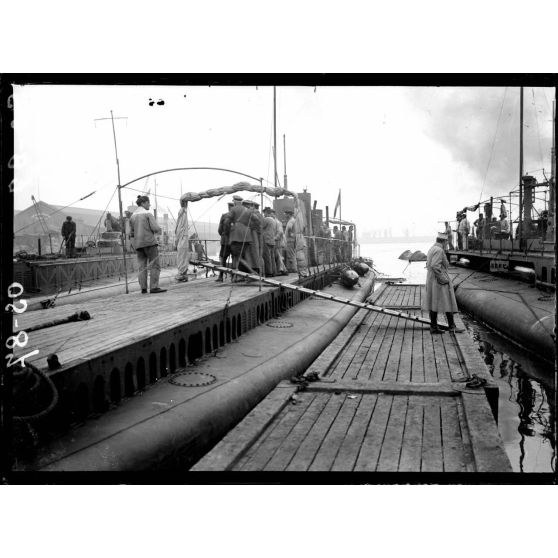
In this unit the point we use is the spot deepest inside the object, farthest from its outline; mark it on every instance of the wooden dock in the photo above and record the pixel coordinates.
(391, 398)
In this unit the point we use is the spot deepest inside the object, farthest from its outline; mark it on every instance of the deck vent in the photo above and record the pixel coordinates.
(279, 324)
(192, 379)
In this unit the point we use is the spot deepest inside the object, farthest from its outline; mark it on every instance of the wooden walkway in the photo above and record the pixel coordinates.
(391, 398)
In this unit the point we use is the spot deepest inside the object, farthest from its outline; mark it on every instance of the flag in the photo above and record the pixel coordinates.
(337, 205)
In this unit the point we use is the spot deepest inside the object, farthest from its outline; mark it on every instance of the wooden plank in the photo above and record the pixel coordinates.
(429, 360)
(455, 363)
(367, 459)
(334, 438)
(417, 360)
(304, 456)
(358, 336)
(355, 366)
(404, 372)
(411, 450)
(391, 446)
(488, 448)
(452, 445)
(391, 370)
(468, 456)
(371, 386)
(440, 359)
(288, 447)
(238, 441)
(372, 354)
(350, 448)
(284, 423)
(378, 367)
(432, 459)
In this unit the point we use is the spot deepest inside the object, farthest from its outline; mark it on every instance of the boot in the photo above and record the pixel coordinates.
(434, 323)
(451, 323)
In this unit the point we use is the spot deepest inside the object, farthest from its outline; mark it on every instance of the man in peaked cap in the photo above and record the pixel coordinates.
(439, 288)
(269, 229)
(224, 231)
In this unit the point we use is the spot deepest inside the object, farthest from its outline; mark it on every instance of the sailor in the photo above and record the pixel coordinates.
(351, 240)
(143, 228)
(504, 229)
(269, 228)
(463, 229)
(291, 239)
(256, 223)
(280, 245)
(439, 288)
(112, 224)
(479, 224)
(69, 234)
(449, 233)
(300, 244)
(238, 219)
(225, 251)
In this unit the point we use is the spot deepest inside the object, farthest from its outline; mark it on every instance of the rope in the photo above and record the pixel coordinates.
(57, 211)
(493, 143)
(537, 122)
(101, 216)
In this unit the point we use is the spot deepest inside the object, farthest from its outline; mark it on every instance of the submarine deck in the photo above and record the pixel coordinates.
(391, 397)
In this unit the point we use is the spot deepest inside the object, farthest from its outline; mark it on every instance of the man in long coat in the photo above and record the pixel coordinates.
(439, 288)
(182, 242)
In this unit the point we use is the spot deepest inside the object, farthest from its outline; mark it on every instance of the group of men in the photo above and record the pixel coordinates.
(240, 230)
(482, 228)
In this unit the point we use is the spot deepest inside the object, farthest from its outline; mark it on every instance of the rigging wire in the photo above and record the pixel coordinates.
(97, 226)
(493, 143)
(537, 122)
(57, 211)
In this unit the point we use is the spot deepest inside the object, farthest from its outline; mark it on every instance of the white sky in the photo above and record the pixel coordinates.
(404, 157)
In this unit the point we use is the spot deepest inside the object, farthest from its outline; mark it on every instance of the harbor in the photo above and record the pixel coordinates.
(226, 323)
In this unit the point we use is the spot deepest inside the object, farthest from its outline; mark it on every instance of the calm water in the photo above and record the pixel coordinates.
(526, 404)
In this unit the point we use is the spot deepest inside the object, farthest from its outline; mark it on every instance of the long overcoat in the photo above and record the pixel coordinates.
(439, 288)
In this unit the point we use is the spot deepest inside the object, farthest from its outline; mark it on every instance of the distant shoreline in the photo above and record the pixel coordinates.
(395, 239)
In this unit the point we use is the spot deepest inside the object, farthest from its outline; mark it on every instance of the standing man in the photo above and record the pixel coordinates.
(225, 251)
(238, 220)
(279, 245)
(144, 227)
(256, 224)
(449, 234)
(69, 234)
(439, 288)
(351, 241)
(464, 228)
(479, 224)
(269, 229)
(182, 243)
(291, 239)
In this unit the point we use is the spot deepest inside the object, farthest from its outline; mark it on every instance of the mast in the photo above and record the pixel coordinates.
(155, 210)
(552, 185)
(285, 162)
(520, 167)
(122, 227)
(275, 136)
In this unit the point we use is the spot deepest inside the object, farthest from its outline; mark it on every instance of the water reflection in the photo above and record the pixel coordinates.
(526, 405)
